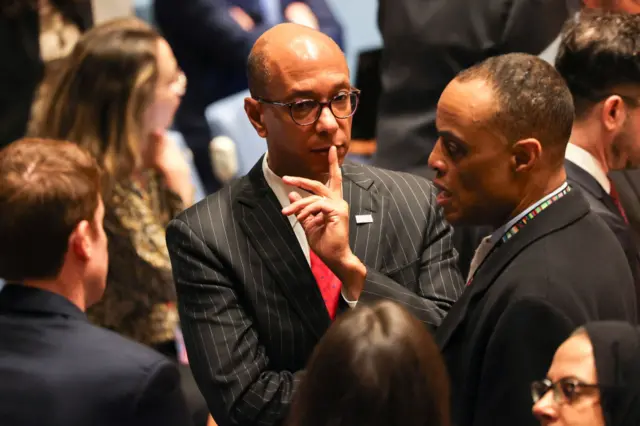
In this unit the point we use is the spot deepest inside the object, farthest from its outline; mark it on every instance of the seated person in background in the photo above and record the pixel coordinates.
(594, 379)
(57, 369)
(376, 366)
(259, 283)
(35, 36)
(551, 264)
(116, 97)
(599, 58)
(212, 40)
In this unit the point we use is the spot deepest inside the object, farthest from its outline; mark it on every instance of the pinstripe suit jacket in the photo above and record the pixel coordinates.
(250, 308)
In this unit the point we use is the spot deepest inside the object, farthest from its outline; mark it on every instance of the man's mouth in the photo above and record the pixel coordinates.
(325, 149)
(444, 196)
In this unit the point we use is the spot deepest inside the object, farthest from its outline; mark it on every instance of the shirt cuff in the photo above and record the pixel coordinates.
(352, 303)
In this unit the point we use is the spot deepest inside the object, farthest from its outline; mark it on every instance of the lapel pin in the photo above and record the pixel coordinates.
(364, 218)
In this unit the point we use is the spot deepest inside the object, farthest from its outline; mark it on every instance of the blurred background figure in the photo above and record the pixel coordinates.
(594, 379)
(58, 369)
(34, 36)
(425, 44)
(116, 96)
(376, 366)
(599, 58)
(212, 40)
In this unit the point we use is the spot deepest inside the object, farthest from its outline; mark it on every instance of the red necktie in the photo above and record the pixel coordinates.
(328, 283)
(616, 201)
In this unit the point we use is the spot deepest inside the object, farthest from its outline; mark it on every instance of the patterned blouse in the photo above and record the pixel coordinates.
(139, 301)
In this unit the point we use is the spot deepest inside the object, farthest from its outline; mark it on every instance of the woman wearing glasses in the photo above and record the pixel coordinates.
(116, 96)
(594, 379)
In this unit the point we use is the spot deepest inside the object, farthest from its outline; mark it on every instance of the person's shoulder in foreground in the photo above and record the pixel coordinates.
(57, 368)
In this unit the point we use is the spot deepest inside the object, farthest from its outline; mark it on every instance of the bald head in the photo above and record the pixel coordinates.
(284, 46)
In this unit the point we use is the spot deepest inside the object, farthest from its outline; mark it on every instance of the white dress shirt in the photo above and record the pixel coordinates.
(282, 190)
(589, 164)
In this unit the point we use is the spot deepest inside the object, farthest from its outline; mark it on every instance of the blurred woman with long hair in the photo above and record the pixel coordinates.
(116, 96)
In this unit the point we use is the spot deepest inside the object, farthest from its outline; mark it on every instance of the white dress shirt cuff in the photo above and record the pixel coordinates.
(352, 303)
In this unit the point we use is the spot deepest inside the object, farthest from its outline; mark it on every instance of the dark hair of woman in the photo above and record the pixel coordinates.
(376, 366)
(616, 351)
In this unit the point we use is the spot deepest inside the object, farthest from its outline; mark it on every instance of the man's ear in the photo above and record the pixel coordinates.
(80, 240)
(254, 111)
(613, 113)
(525, 154)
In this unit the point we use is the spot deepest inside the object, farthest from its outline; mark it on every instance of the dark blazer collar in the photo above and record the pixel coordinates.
(589, 184)
(565, 211)
(271, 235)
(584, 179)
(21, 298)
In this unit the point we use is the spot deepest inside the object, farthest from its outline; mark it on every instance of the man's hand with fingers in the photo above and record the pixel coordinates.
(324, 217)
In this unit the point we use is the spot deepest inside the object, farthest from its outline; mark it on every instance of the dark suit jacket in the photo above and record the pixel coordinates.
(58, 369)
(426, 43)
(602, 204)
(524, 301)
(250, 308)
(213, 49)
(627, 183)
(21, 67)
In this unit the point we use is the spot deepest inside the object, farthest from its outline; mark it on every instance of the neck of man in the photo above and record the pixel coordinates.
(65, 286)
(587, 135)
(537, 189)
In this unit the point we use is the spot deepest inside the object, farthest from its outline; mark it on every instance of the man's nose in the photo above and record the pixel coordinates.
(436, 160)
(327, 122)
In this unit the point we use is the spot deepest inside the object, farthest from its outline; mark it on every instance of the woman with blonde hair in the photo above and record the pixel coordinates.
(116, 96)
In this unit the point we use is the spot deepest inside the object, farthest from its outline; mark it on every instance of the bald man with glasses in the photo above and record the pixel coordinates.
(264, 266)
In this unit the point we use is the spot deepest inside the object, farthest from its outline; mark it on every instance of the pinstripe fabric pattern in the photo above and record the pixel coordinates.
(250, 308)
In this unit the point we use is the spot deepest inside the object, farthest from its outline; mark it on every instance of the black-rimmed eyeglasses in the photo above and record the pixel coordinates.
(567, 389)
(305, 112)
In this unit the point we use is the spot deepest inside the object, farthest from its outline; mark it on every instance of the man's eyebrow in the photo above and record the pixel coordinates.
(450, 136)
(309, 94)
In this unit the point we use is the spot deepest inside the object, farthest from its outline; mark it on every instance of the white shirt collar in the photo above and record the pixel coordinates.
(281, 191)
(587, 162)
(279, 188)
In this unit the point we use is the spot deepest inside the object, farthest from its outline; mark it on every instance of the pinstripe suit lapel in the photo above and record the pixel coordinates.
(365, 239)
(271, 235)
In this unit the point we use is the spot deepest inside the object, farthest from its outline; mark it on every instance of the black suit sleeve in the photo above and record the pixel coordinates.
(625, 238)
(520, 351)
(161, 401)
(438, 284)
(229, 363)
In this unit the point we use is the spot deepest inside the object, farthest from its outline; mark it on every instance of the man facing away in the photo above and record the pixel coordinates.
(55, 367)
(262, 267)
(599, 58)
(550, 265)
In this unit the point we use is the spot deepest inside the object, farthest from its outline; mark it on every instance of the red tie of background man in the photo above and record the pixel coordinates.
(328, 283)
(616, 201)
